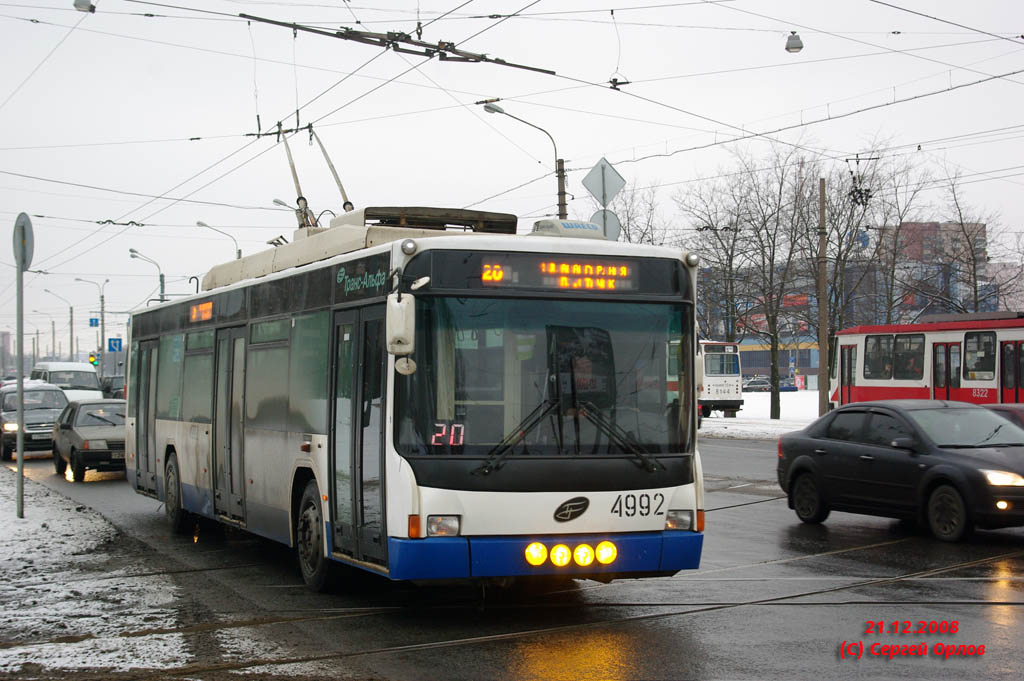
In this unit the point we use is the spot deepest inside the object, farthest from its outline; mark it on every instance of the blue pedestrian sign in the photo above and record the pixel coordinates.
(113, 345)
(94, 321)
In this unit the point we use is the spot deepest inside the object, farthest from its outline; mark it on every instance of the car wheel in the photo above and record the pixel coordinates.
(59, 464)
(947, 514)
(705, 411)
(77, 467)
(309, 540)
(176, 514)
(806, 499)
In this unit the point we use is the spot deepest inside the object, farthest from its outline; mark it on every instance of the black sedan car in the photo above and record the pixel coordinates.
(948, 465)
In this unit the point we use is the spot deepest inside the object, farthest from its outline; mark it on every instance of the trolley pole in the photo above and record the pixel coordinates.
(823, 385)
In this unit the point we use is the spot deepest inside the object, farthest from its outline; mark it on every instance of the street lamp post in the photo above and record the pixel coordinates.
(71, 325)
(53, 332)
(135, 254)
(238, 251)
(491, 107)
(101, 350)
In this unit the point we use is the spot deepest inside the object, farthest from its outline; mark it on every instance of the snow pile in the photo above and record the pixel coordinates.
(67, 595)
(797, 409)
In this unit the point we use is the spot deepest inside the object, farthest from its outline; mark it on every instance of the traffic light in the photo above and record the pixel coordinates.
(93, 359)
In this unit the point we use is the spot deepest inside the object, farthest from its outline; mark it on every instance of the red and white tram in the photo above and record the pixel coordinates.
(976, 359)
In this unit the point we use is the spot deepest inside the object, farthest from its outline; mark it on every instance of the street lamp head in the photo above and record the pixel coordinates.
(279, 202)
(133, 252)
(793, 43)
(200, 223)
(491, 107)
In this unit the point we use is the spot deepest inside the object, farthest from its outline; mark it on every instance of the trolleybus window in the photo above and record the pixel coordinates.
(980, 355)
(562, 378)
(721, 364)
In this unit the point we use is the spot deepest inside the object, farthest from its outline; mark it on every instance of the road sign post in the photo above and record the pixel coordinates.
(604, 183)
(23, 246)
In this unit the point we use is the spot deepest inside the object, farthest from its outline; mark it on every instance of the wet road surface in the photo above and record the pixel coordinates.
(774, 598)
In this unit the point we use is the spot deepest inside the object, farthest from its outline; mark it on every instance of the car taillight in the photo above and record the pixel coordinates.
(780, 447)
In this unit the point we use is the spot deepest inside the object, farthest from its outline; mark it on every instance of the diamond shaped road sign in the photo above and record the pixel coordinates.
(604, 182)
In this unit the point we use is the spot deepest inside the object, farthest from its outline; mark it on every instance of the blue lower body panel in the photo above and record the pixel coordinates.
(469, 557)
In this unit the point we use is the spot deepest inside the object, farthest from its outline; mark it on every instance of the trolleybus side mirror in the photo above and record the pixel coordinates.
(401, 327)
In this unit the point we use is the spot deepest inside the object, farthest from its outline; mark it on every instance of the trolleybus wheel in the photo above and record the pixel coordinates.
(77, 467)
(59, 464)
(947, 514)
(309, 539)
(176, 514)
(706, 411)
(806, 499)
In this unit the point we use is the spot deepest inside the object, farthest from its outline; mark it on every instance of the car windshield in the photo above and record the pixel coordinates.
(545, 377)
(964, 428)
(36, 399)
(75, 380)
(101, 415)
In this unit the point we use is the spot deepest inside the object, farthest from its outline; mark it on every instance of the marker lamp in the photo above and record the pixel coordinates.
(560, 555)
(679, 520)
(95, 444)
(536, 553)
(442, 525)
(583, 555)
(11, 427)
(606, 552)
(1003, 478)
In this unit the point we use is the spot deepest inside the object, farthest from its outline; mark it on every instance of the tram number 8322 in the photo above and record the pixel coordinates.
(630, 505)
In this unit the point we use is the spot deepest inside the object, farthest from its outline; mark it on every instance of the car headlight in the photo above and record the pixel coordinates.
(679, 520)
(1003, 478)
(11, 427)
(442, 525)
(95, 444)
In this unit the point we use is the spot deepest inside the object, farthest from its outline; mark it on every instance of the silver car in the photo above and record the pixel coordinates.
(89, 434)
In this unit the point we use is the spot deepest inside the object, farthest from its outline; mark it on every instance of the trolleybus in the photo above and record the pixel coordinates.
(968, 358)
(722, 385)
(424, 394)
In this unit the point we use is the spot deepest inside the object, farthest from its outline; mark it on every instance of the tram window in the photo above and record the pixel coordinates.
(168, 400)
(847, 425)
(878, 357)
(980, 355)
(908, 357)
(1008, 376)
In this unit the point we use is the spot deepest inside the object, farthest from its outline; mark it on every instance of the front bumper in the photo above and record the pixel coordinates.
(639, 554)
(985, 513)
(34, 441)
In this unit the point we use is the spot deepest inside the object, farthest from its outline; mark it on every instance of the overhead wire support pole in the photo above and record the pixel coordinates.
(823, 364)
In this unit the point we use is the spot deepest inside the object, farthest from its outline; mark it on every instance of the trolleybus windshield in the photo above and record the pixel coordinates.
(544, 378)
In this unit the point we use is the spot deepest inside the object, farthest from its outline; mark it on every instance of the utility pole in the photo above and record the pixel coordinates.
(53, 339)
(823, 384)
(563, 212)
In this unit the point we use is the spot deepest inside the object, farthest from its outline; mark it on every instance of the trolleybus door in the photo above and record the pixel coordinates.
(228, 415)
(145, 417)
(847, 372)
(945, 370)
(1010, 372)
(357, 448)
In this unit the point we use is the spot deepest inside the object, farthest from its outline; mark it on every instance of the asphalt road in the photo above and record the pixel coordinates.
(774, 598)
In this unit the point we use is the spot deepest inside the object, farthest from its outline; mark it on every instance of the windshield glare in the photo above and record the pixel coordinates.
(967, 427)
(550, 377)
(83, 380)
(36, 399)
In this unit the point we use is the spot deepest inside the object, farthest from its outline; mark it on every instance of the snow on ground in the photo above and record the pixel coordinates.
(797, 409)
(58, 579)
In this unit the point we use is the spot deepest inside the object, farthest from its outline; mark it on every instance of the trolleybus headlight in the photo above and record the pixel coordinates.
(583, 555)
(679, 520)
(606, 552)
(536, 553)
(560, 555)
(442, 525)
(1003, 478)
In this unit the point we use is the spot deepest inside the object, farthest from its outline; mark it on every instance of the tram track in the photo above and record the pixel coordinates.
(678, 610)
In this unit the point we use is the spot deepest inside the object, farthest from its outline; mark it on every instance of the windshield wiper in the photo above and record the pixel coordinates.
(497, 455)
(989, 436)
(621, 437)
(100, 418)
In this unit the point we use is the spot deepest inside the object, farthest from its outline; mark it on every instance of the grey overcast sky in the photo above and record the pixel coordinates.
(142, 114)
